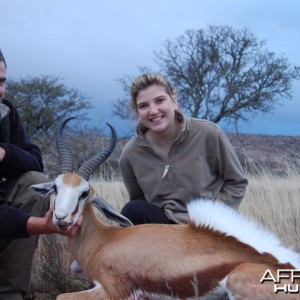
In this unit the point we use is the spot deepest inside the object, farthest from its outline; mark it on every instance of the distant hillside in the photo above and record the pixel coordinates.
(275, 152)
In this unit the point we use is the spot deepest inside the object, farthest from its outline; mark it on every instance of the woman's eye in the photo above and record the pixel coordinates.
(160, 100)
(142, 106)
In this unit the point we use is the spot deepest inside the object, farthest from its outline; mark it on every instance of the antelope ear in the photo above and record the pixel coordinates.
(109, 211)
(43, 189)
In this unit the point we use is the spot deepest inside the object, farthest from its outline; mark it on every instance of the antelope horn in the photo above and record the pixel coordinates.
(90, 165)
(66, 164)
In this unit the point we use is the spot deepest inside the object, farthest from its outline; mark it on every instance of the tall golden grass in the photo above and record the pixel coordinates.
(275, 202)
(271, 199)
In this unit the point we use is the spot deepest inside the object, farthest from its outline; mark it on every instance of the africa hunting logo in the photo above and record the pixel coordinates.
(288, 275)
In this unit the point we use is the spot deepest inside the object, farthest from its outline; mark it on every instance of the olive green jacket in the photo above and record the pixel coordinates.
(201, 164)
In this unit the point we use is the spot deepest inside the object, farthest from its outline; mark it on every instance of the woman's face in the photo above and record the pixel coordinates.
(156, 108)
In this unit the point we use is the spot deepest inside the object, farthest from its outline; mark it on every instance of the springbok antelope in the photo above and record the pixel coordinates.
(218, 252)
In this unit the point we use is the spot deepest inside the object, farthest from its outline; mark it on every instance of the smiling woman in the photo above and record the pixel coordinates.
(174, 159)
(156, 110)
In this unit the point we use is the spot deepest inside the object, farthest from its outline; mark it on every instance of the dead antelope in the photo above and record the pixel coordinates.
(218, 252)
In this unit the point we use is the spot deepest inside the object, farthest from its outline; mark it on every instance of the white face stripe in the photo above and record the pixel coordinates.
(68, 203)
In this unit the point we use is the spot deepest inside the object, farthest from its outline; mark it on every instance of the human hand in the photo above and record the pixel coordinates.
(54, 229)
(45, 225)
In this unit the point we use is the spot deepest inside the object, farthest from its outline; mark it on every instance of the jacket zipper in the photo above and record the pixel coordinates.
(166, 170)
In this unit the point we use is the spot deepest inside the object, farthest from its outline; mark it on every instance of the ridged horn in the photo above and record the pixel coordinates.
(90, 165)
(65, 158)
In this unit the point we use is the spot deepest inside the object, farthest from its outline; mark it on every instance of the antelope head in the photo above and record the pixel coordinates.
(72, 189)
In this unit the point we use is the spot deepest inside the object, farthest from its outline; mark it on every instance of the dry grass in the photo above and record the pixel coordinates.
(273, 200)
(50, 273)
(114, 192)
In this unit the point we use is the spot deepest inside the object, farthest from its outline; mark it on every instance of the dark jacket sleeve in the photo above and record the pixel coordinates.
(13, 222)
(20, 154)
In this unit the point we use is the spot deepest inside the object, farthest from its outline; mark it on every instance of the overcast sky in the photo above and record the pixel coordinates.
(92, 43)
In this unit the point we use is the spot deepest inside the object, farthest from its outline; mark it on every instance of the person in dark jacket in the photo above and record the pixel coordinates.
(20, 166)
(16, 223)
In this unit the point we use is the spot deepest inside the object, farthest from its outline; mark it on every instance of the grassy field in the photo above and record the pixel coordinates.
(272, 200)
(275, 202)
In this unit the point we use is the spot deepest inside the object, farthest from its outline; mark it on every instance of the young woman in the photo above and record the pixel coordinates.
(174, 159)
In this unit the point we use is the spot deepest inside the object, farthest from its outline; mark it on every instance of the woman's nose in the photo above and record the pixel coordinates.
(153, 109)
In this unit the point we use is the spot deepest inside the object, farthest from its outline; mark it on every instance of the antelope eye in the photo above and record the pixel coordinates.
(84, 195)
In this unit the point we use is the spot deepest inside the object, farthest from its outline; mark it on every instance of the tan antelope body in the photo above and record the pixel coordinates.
(218, 252)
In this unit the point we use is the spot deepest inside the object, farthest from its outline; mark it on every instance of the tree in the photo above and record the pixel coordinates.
(44, 101)
(223, 74)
